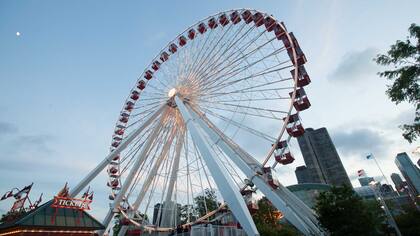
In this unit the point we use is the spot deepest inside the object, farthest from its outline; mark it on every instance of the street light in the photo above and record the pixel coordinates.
(373, 185)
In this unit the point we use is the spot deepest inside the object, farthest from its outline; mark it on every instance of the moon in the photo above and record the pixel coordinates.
(18, 33)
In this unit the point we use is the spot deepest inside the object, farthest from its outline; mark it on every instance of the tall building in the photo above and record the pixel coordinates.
(302, 175)
(365, 180)
(321, 158)
(410, 172)
(398, 182)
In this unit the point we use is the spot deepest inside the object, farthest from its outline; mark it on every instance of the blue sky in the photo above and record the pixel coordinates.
(65, 78)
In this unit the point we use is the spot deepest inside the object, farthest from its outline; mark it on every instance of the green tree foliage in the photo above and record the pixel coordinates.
(117, 224)
(11, 215)
(342, 212)
(404, 59)
(409, 222)
(267, 222)
(206, 203)
(187, 214)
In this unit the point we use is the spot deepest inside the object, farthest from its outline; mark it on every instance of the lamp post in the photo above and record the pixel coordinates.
(378, 195)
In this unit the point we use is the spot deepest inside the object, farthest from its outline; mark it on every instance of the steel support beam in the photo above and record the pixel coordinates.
(150, 177)
(128, 180)
(124, 143)
(293, 208)
(223, 180)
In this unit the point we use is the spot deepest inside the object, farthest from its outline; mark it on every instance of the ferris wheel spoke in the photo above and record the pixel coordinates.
(243, 127)
(256, 75)
(200, 55)
(228, 46)
(214, 57)
(206, 55)
(245, 113)
(153, 171)
(248, 99)
(225, 163)
(144, 106)
(158, 91)
(200, 179)
(250, 91)
(164, 190)
(175, 167)
(189, 182)
(150, 147)
(239, 60)
(234, 70)
(233, 47)
(144, 113)
(250, 107)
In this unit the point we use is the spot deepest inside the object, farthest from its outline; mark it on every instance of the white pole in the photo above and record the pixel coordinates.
(388, 213)
(294, 209)
(228, 189)
(151, 176)
(380, 169)
(93, 173)
(139, 160)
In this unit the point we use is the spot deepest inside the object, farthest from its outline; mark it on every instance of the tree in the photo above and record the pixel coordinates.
(206, 203)
(267, 220)
(187, 214)
(409, 222)
(11, 215)
(117, 224)
(342, 212)
(404, 57)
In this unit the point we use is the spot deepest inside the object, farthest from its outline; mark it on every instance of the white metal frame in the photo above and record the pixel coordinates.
(228, 189)
(292, 207)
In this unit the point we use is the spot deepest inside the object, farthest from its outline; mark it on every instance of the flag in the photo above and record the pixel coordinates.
(25, 190)
(91, 196)
(64, 192)
(86, 194)
(370, 156)
(37, 202)
(361, 173)
(7, 195)
(18, 204)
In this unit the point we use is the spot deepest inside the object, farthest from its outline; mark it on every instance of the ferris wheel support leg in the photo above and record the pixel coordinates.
(129, 179)
(170, 218)
(150, 177)
(302, 220)
(93, 173)
(224, 182)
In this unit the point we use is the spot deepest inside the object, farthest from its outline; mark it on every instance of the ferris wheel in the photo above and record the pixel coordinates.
(213, 112)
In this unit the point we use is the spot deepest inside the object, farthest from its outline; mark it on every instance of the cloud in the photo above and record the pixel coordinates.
(360, 142)
(39, 143)
(355, 65)
(7, 128)
(405, 117)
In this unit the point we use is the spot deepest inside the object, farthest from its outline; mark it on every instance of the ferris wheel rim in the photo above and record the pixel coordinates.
(295, 76)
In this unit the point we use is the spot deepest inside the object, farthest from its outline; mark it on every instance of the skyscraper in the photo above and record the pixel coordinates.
(410, 172)
(302, 175)
(321, 158)
(365, 180)
(398, 182)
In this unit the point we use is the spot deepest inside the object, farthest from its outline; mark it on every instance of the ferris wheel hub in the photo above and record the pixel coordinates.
(172, 92)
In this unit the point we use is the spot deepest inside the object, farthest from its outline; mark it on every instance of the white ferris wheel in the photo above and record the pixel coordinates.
(213, 111)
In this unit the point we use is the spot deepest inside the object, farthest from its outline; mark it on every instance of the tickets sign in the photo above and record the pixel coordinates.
(71, 203)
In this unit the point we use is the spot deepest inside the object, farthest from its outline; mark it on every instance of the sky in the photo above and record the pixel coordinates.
(64, 79)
